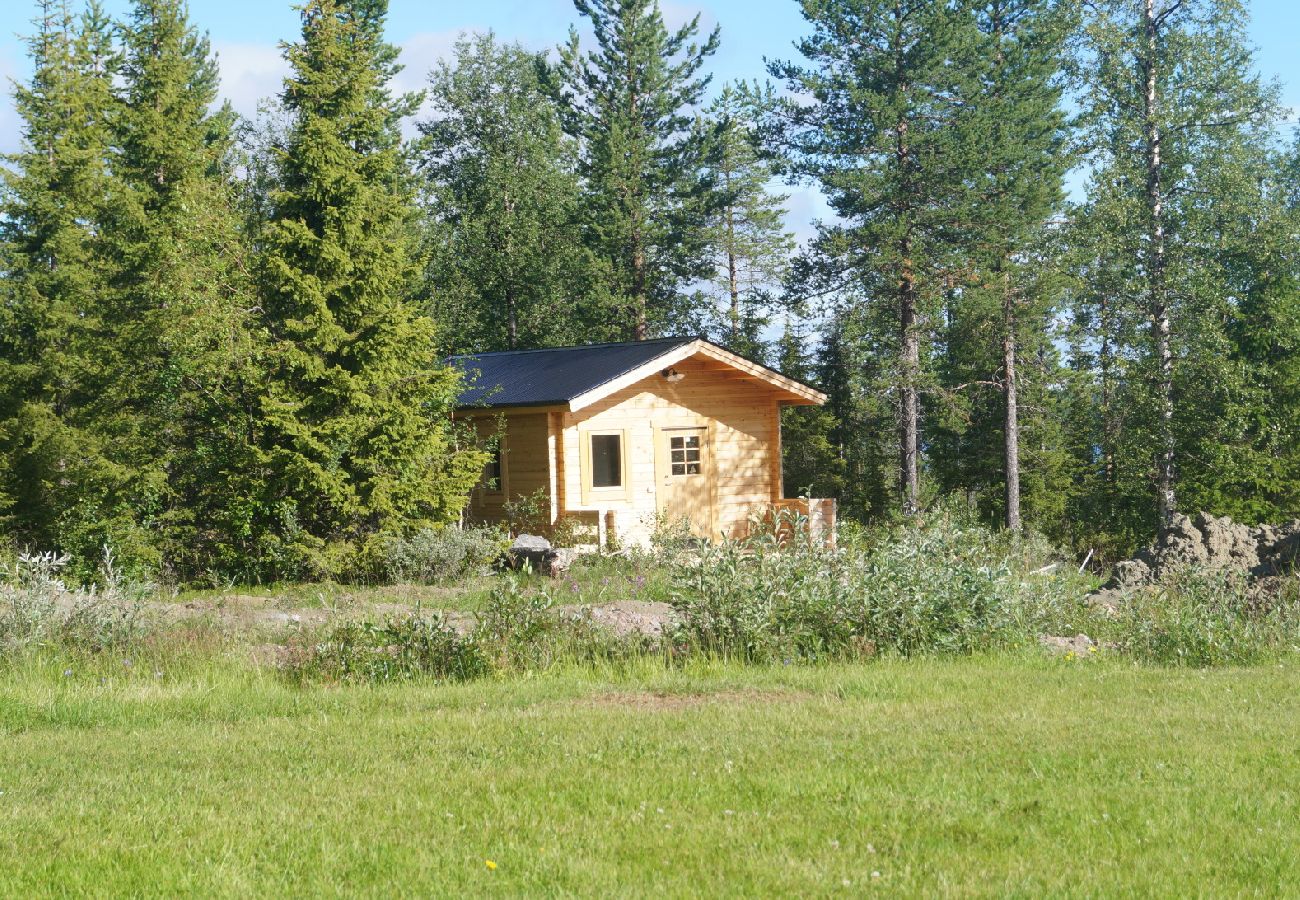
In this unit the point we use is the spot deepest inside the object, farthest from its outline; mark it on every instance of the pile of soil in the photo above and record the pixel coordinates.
(1265, 555)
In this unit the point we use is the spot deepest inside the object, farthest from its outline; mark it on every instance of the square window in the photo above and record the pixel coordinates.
(606, 460)
(492, 471)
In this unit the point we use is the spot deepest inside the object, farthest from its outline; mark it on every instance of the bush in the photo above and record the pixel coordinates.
(396, 649)
(444, 554)
(1204, 619)
(37, 607)
(942, 586)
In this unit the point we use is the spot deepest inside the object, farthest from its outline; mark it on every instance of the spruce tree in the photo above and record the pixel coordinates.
(174, 334)
(63, 491)
(354, 421)
(630, 103)
(508, 267)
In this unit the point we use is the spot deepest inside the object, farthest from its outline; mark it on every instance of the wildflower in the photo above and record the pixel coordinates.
(875, 874)
(67, 673)
(1092, 649)
(492, 867)
(127, 663)
(1069, 655)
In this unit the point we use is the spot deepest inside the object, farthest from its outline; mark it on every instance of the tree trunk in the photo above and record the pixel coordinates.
(1158, 301)
(733, 282)
(639, 330)
(908, 428)
(1012, 425)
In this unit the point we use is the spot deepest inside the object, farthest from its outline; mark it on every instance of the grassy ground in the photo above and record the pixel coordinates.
(985, 776)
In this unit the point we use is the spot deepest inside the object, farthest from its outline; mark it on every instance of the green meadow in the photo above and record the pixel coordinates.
(1001, 774)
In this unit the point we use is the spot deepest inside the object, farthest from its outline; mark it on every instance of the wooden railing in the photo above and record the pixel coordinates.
(818, 513)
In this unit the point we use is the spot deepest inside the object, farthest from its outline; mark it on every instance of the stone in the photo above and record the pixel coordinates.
(529, 550)
(1078, 645)
(560, 560)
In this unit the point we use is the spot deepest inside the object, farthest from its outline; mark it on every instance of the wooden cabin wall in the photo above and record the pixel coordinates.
(525, 464)
(741, 414)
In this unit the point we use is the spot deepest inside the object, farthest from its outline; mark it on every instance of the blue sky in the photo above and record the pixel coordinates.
(245, 34)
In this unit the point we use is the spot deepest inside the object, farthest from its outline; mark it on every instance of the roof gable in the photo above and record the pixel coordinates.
(576, 377)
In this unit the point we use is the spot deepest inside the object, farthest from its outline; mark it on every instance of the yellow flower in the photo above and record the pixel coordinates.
(490, 864)
(1092, 649)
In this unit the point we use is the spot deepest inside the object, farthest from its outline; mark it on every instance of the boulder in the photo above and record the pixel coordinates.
(560, 560)
(530, 549)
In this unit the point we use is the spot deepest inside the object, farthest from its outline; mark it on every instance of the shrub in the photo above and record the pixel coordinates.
(37, 607)
(1204, 619)
(443, 554)
(944, 585)
(396, 649)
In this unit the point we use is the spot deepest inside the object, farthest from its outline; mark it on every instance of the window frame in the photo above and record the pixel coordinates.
(591, 493)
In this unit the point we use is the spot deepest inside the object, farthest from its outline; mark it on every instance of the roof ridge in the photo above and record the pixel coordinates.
(662, 340)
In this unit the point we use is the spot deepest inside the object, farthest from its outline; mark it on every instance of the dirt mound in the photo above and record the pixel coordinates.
(1211, 543)
(627, 618)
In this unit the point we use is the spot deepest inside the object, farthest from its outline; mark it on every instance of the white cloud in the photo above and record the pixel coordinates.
(678, 14)
(10, 127)
(250, 73)
(420, 54)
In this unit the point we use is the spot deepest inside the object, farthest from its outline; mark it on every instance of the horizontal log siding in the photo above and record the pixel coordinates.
(740, 415)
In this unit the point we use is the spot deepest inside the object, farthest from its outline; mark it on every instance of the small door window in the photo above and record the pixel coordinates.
(684, 451)
(492, 472)
(606, 460)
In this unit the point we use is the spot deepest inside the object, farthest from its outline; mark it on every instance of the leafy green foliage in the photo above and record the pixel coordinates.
(508, 266)
(432, 555)
(944, 585)
(397, 649)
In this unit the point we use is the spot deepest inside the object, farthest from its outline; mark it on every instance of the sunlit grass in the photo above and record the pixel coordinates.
(989, 775)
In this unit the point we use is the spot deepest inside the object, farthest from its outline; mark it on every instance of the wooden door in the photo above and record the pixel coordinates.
(685, 472)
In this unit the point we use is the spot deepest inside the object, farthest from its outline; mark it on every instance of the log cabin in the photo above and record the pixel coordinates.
(622, 437)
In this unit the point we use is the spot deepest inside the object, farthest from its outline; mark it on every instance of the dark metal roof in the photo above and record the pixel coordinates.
(551, 376)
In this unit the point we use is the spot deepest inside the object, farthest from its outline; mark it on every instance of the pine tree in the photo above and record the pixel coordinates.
(1180, 125)
(508, 267)
(882, 119)
(629, 103)
(998, 323)
(751, 247)
(354, 429)
(62, 491)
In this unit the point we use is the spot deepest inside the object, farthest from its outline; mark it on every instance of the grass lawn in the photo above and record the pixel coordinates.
(974, 776)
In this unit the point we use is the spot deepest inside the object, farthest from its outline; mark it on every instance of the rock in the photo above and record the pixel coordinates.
(531, 549)
(1129, 574)
(1108, 600)
(1180, 546)
(1079, 645)
(1278, 547)
(560, 560)
(1227, 544)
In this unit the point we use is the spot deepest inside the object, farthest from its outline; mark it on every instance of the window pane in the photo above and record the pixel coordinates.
(677, 443)
(679, 468)
(692, 468)
(693, 441)
(606, 460)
